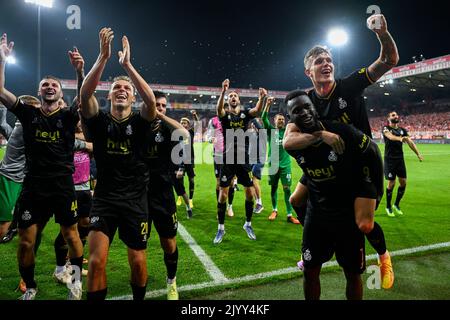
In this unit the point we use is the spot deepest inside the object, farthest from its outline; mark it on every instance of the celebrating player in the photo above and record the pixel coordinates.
(330, 219)
(120, 199)
(342, 100)
(394, 161)
(48, 189)
(282, 165)
(235, 122)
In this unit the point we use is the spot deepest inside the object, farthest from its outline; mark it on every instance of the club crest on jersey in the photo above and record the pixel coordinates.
(243, 116)
(333, 156)
(159, 137)
(59, 124)
(342, 103)
(302, 160)
(129, 130)
(35, 120)
(401, 132)
(109, 128)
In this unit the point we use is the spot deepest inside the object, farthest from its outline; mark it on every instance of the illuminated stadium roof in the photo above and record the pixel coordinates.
(415, 82)
(424, 80)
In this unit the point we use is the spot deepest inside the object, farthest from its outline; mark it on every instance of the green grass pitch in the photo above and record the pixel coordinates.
(426, 221)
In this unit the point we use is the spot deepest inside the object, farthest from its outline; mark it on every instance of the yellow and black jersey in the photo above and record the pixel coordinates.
(49, 139)
(345, 103)
(332, 177)
(236, 124)
(158, 150)
(394, 149)
(119, 154)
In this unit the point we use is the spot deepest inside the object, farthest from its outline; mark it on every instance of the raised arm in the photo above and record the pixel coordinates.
(265, 113)
(6, 97)
(5, 128)
(256, 111)
(174, 125)
(89, 104)
(220, 103)
(196, 120)
(148, 110)
(77, 61)
(389, 54)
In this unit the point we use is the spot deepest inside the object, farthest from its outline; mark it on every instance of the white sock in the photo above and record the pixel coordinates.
(259, 201)
(248, 224)
(170, 281)
(221, 227)
(188, 207)
(230, 206)
(60, 269)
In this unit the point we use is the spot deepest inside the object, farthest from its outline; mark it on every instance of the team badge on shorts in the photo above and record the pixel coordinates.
(94, 219)
(307, 255)
(26, 216)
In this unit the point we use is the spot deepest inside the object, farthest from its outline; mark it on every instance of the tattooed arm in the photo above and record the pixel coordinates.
(389, 54)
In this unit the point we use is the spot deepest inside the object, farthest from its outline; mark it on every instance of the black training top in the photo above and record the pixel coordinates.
(332, 177)
(345, 103)
(118, 150)
(158, 149)
(394, 149)
(48, 138)
(236, 122)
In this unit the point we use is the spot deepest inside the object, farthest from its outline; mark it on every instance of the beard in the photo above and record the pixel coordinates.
(395, 121)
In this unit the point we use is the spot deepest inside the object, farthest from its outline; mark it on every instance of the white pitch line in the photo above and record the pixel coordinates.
(265, 275)
(207, 262)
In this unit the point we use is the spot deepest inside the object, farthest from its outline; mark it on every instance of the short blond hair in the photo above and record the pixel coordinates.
(127, 79)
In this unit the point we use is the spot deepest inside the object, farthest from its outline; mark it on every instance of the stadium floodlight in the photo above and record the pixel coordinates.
(337, 37)
(11, 60)
(440, 85)
(41, 3)
(391, 81)
(387, 94)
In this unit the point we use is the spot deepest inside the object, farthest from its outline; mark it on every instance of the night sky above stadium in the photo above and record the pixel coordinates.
(253, 43)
